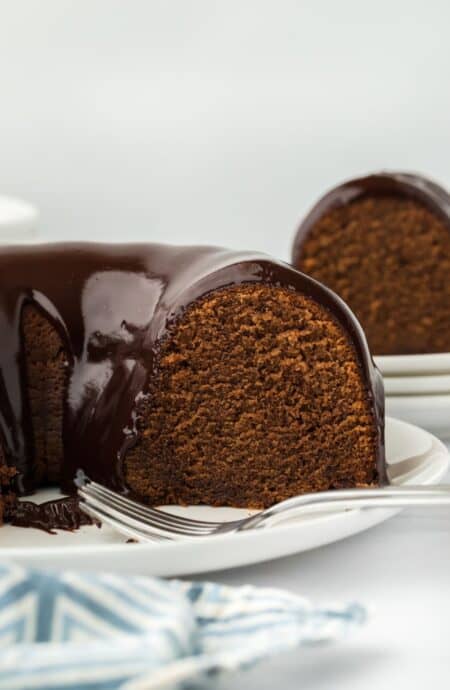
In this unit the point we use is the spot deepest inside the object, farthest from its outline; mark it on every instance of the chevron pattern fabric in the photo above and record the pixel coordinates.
(104, 632)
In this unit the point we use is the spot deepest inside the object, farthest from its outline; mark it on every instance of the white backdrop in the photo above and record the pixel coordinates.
(217, 122)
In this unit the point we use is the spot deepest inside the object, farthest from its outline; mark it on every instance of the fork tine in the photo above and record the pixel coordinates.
(119, 526)
(147, 510)
(150, 517)
(124, 522)
(145, 524)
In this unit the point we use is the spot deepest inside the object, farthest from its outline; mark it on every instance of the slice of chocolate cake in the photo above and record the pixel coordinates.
(183, 375)
(383, 244)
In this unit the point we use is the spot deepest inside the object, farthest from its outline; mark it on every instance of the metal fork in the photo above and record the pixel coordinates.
(144, 523)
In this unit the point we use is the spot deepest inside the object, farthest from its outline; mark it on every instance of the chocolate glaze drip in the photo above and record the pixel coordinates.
(112, 304)
(63, 513)
(398, 184)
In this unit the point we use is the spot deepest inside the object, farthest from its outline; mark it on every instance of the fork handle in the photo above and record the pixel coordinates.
(346, 499)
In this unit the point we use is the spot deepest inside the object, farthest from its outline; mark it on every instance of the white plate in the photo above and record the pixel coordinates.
(417, 385)
(18, 220)
(101, 549)
(432, 412)
(397, 365)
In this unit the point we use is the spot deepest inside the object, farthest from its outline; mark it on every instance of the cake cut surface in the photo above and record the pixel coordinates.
(46, 379)
(8, 499)
(180, 375)
(383, 244)
(258, 397)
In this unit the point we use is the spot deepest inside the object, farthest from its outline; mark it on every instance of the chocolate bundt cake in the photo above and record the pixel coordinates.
(7, 493)
(383, 244)
(182, 375)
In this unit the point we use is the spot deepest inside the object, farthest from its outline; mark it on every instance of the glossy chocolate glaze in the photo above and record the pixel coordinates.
(397, 184)
(112, 304)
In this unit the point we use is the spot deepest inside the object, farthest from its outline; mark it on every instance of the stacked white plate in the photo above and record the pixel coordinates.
(417, 389)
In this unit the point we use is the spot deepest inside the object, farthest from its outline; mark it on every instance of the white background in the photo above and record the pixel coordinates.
(217, 122)
(221, 122)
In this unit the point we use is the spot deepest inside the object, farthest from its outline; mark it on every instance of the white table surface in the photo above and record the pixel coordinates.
(401, 570)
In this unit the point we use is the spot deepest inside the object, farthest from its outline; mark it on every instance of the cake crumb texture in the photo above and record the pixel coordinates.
(257, 396)
(389, 259)
(8, 497)
(46, 371)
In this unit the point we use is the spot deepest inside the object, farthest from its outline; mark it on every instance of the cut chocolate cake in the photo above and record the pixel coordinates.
(8, 498)
(182, 375)
(383, 244)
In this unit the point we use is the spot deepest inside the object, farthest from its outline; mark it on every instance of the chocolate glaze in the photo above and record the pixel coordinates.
(62, 513)
(112, 304)
(398, 184)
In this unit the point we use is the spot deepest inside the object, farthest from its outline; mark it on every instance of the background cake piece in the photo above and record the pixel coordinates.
(383, 244)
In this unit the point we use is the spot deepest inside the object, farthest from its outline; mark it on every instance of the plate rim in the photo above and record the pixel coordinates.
(424, 399)
(434, 384)
(421, 365)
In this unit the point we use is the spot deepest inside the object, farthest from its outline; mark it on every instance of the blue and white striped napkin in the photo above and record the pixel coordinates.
(102, 632)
